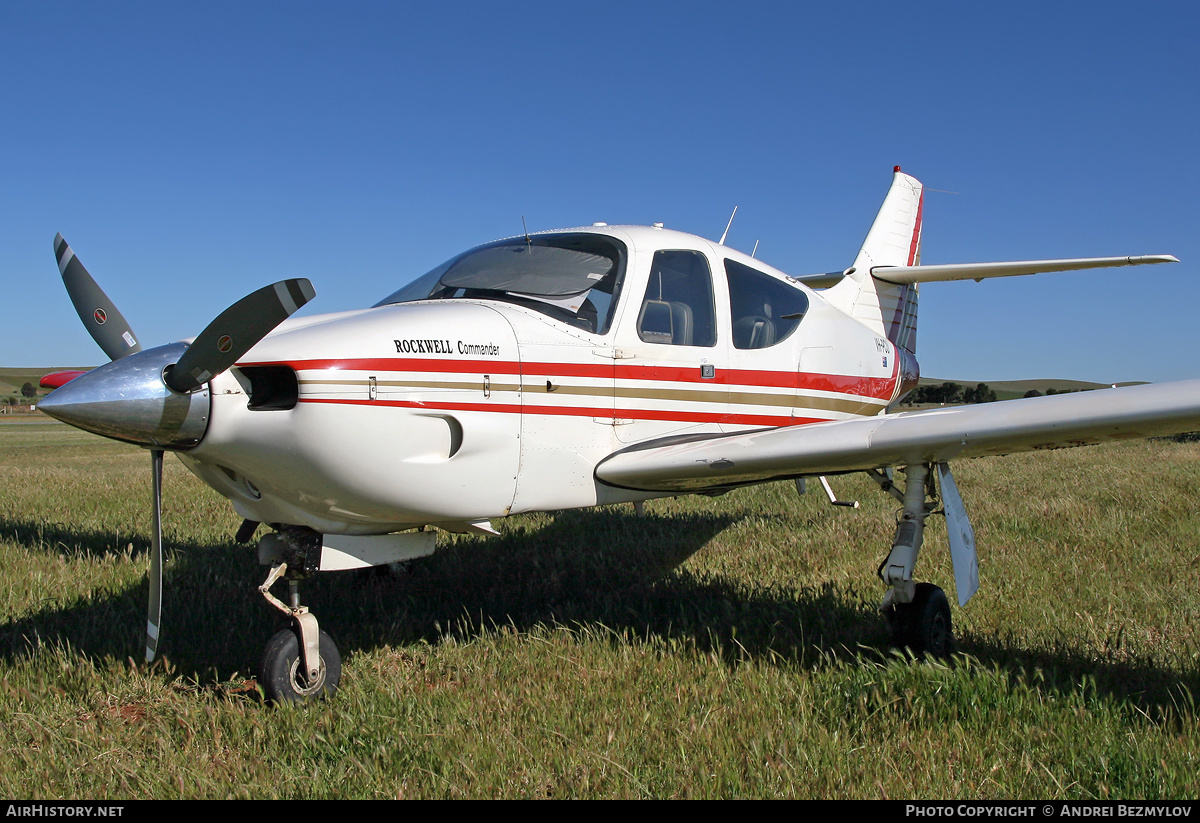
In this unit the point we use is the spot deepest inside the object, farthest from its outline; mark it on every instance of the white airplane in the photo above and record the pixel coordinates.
(568, 369)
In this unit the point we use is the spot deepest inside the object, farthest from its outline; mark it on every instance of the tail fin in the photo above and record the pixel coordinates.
(894, 240)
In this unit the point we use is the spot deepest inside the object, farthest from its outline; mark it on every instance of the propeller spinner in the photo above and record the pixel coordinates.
(156, 398)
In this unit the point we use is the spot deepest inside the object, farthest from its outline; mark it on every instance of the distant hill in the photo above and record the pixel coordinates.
(11, 380)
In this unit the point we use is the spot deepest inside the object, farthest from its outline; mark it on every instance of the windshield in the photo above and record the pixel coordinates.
(574, 278)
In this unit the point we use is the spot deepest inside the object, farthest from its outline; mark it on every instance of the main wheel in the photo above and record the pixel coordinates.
(282, 676)
(922, 626)
(929, 629)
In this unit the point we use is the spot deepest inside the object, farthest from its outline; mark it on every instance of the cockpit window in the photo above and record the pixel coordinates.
(763, 310)
(678, 306)
(575, 278)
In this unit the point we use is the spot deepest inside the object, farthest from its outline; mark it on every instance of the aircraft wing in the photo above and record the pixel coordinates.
(707, 462)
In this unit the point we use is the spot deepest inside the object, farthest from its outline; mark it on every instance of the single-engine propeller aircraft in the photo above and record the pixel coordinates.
(567, 369)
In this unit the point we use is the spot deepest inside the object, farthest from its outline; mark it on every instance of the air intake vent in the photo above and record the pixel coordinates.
(272, 387)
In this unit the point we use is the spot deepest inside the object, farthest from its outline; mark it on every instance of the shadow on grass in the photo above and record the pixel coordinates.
(203, 584)
(69, 540)
(1061, 667)
(609, 568)
(604, 567)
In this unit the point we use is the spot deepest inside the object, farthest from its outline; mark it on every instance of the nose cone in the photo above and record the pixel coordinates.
(128, 400)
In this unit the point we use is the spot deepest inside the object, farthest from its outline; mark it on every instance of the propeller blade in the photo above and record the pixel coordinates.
(235, 331)
(100, 316)
(154, 613)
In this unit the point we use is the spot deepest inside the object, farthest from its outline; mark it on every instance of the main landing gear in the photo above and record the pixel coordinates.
(299, 663)
(918, 614)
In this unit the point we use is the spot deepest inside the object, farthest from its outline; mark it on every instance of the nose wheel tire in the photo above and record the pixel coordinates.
(282, 676)
(923, 626)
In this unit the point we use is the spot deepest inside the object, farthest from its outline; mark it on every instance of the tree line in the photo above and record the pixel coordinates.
(950, 393)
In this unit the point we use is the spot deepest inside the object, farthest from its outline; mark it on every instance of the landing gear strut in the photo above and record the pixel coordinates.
(300, 663)
(917, 614)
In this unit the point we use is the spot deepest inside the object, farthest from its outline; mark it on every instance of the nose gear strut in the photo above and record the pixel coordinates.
(302, 662)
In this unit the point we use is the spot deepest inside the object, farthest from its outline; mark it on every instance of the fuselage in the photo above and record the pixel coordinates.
(503, 391)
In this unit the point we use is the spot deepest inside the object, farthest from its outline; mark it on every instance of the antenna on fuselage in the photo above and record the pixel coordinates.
(755, 250)
(528, 242)
(727, 225)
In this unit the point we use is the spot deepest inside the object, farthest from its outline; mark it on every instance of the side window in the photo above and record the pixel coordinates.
(764, 310)
(678, 306)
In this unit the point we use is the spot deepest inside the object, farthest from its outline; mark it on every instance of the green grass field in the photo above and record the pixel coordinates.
(716, 647)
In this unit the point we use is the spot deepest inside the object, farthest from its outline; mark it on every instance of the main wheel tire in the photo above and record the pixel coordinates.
(281, 673)
(929, 628)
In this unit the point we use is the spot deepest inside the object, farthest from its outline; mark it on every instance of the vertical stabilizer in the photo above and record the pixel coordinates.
(894, 240)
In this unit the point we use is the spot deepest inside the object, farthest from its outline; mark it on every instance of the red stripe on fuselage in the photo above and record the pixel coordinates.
(879, 388)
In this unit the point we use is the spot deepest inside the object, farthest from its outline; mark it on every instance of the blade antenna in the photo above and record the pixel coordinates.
(755, 251)
(528, 242)
(154, 610)
(727, 225)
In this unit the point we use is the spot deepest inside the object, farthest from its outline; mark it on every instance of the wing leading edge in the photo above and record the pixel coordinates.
(909, 438)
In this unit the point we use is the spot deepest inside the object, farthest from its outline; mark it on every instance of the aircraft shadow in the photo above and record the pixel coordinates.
(605, 567)
(69, 539)
(108, 621)
(618, 570)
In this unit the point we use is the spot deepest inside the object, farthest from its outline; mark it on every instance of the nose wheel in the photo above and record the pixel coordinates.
(283, 676)
(300, 663)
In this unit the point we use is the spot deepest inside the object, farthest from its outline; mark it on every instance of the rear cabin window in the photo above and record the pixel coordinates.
(764, 310)
(678, 306)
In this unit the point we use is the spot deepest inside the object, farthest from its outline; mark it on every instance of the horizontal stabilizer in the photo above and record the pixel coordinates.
(825, 280)
(910, 438)
(978, 271)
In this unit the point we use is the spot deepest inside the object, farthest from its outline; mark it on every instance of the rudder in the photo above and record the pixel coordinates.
(894, 239)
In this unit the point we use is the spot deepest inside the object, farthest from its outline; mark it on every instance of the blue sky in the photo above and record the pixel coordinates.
(191, 153)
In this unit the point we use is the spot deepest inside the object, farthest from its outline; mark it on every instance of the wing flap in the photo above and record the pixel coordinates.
(931, 436)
